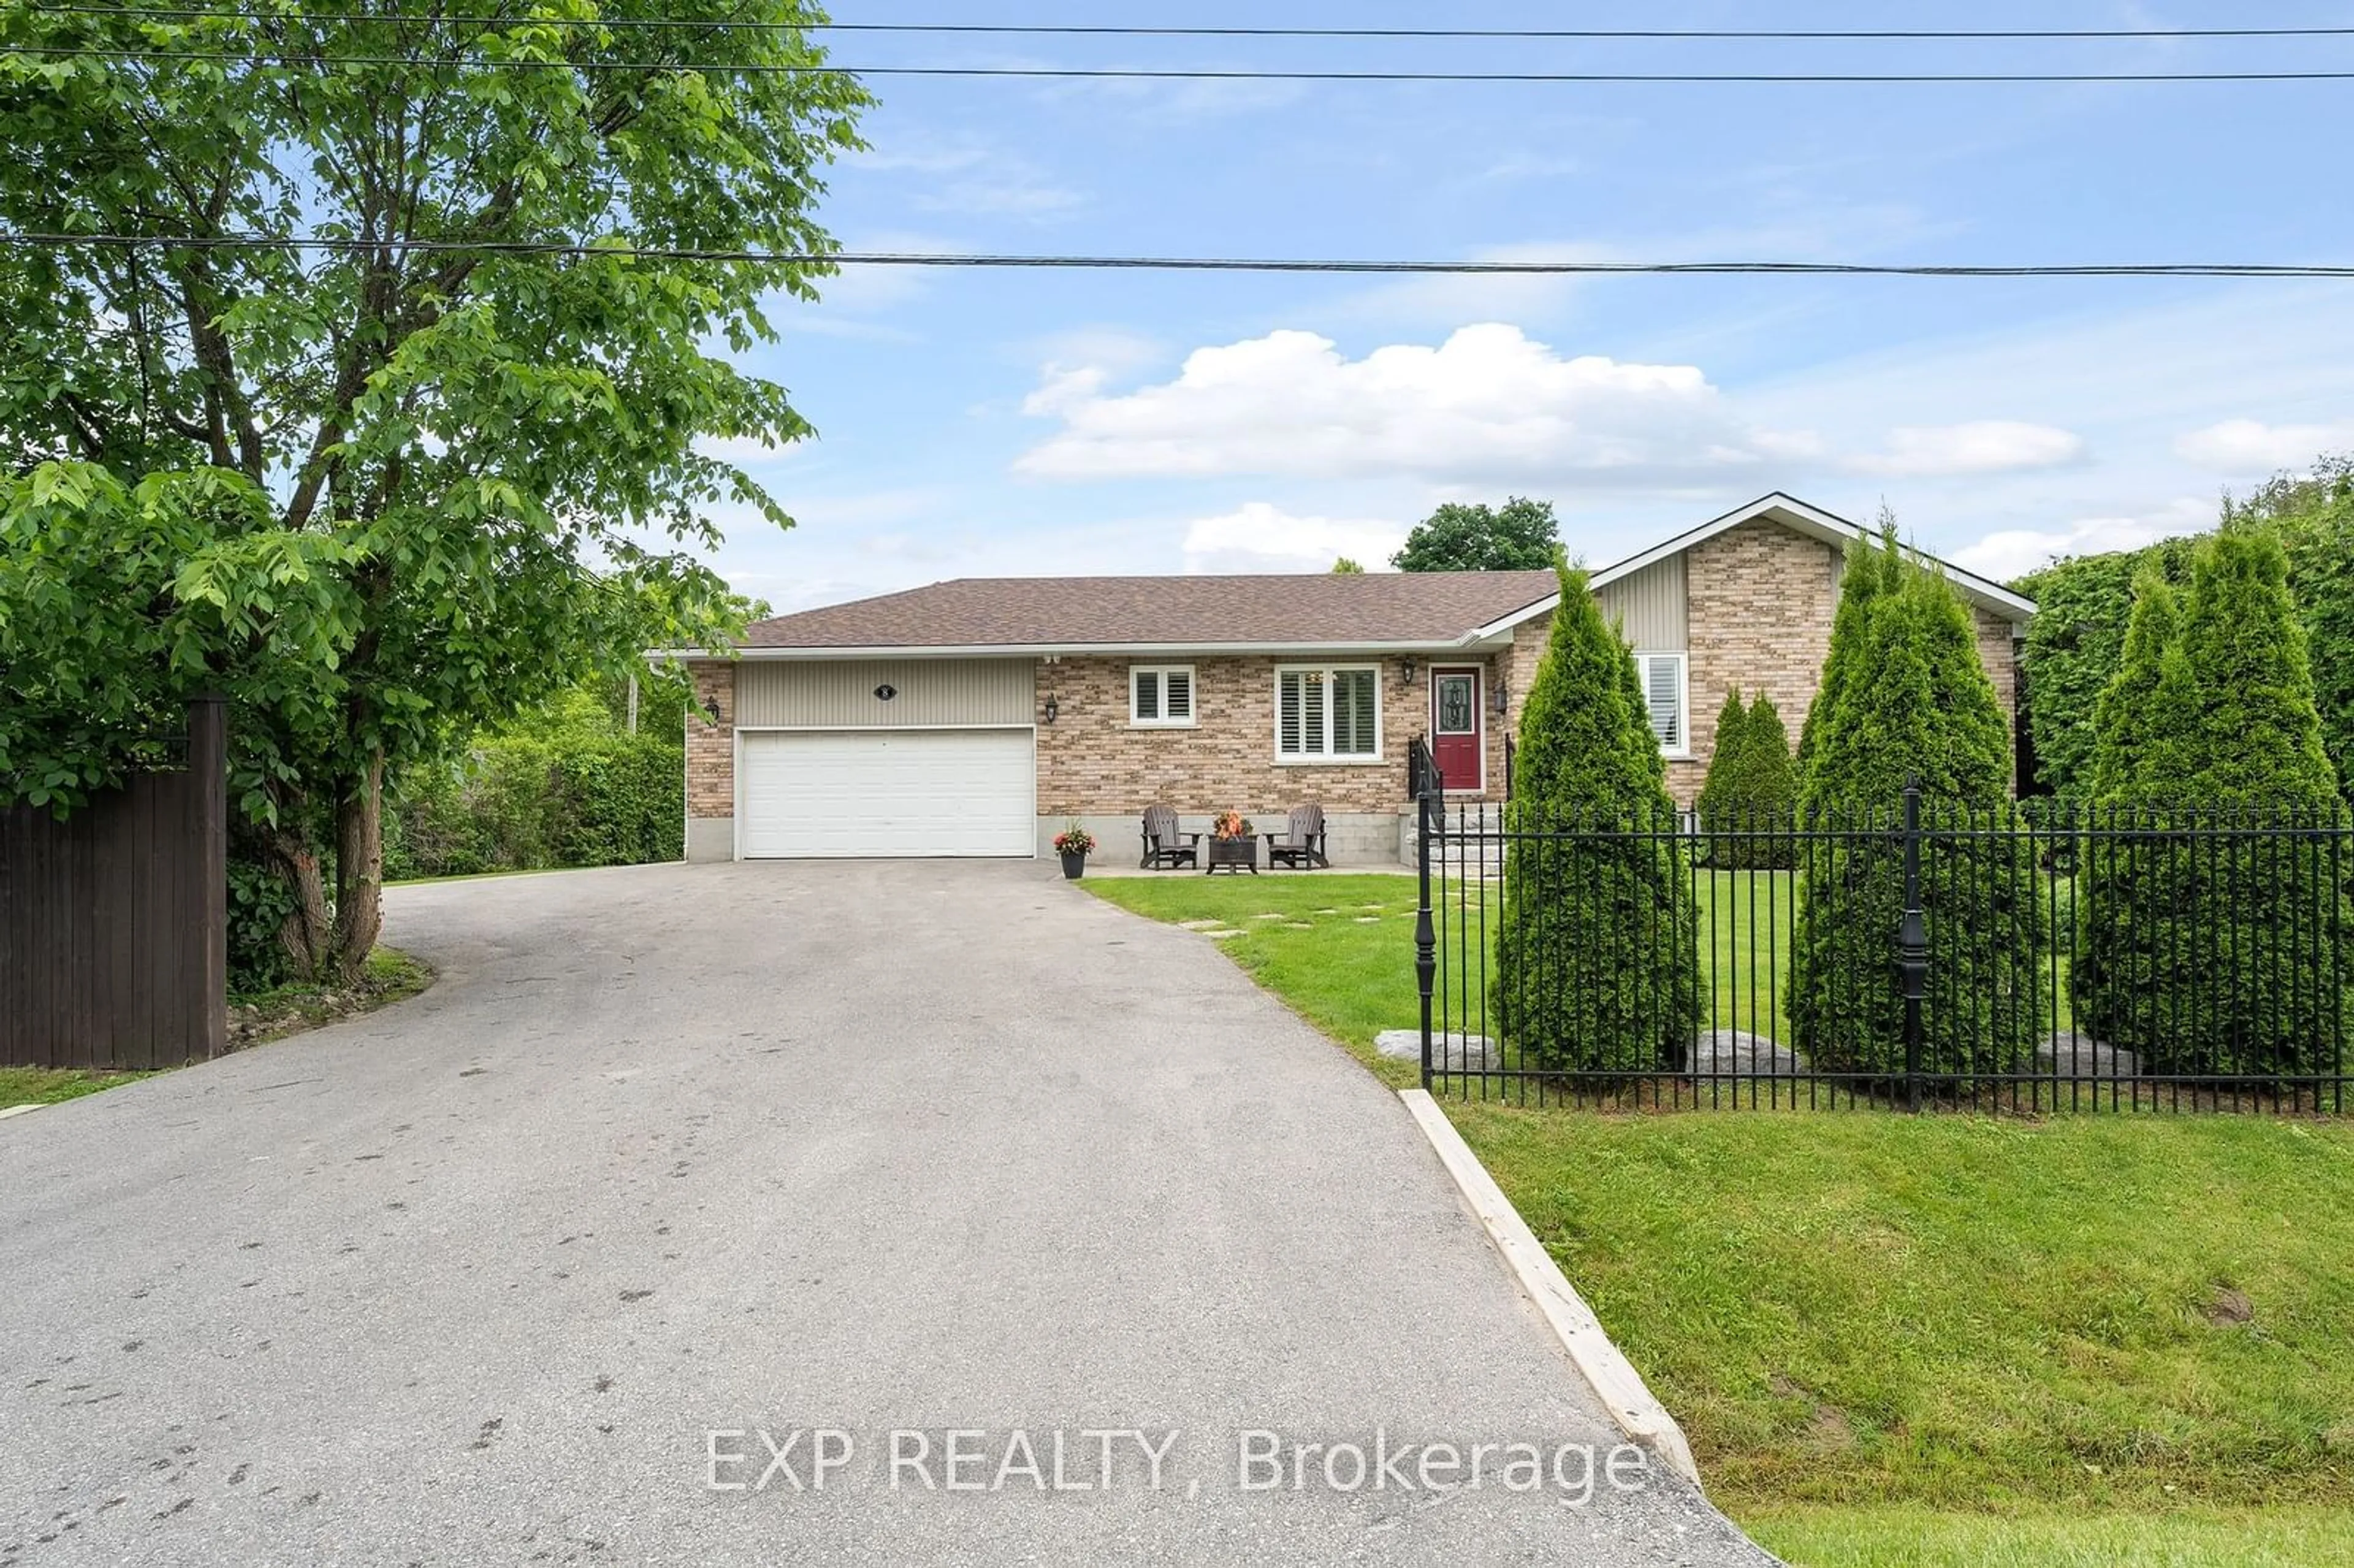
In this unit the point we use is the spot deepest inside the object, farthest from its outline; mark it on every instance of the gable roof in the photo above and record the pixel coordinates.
(1323, 612)
(1262, 613)
(1796, 515)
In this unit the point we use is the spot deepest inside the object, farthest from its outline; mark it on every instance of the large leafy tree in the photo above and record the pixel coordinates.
(1520, 535)
(1598, 959)
(391, 488)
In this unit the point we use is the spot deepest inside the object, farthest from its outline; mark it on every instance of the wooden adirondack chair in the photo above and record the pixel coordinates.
(1301, 844)
(1165, 846)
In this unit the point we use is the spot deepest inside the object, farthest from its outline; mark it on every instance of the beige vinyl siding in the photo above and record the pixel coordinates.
(840, 693)
(1649, 606)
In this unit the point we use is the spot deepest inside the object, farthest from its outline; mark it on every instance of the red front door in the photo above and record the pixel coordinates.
(1455, 730)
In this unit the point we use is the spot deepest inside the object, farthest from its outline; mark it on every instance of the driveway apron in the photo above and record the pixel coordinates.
(676, 1162)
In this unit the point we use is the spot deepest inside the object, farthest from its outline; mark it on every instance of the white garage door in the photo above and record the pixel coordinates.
(822, 793)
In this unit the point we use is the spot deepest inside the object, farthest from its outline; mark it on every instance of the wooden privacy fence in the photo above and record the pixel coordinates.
(114, 922)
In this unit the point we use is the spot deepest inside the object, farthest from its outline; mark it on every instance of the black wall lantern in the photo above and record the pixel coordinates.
(1406, 672)
(711, 709)
(1052, 708)
(1500, 697)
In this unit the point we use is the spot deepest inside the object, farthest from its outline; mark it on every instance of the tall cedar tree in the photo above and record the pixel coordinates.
(1599, 964)
(386, 493)
(2206, 947)
(1757, 792)
(2123, 719)
(1859, 584)
(1718, 792)
(1916, 704)
(2084, 607)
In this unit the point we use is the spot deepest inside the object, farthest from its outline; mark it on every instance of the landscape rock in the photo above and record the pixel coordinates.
(2075, 1055)
(1740, 1053)
(1450, 1052)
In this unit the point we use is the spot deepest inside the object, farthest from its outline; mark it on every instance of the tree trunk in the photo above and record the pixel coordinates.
(305, 935)
(360, 871)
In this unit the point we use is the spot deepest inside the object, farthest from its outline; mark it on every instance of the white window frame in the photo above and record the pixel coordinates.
(1163, 673)
(1682, 751)
(1326, 760)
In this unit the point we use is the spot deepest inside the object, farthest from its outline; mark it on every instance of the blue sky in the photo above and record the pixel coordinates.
(977, 423)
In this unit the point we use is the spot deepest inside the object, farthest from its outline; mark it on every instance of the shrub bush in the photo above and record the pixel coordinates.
(259, 903)
(1925, 711)
(1597, 957)
(571, 789)
(2210, 951)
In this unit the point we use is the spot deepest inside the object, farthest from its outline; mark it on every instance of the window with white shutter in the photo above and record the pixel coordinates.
(1328, 713)
(1663, 697)
(1160, 695)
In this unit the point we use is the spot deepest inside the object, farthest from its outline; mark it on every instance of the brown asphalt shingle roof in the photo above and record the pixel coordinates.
(1187, 611)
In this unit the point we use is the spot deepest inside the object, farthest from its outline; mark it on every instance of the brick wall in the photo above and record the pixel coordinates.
(711, 748)
(1091, 761)
(1760, 598)
(1998, 655)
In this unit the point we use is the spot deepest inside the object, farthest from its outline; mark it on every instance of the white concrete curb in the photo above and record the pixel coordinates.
(7, 1111)
(1603, 1365)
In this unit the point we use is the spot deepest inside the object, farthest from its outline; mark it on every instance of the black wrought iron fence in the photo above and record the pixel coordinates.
(1917, 953)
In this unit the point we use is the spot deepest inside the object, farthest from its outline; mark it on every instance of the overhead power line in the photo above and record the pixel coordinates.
(639, 23)
(1114, 73)
(1199, 263)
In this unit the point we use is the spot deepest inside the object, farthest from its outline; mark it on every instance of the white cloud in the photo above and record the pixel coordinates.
(2011, 552)
(1981, 446)
(2251, 447)
(1488, 403)
(1261, 537)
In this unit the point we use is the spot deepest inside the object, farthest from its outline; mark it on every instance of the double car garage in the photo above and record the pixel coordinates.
(885, 758)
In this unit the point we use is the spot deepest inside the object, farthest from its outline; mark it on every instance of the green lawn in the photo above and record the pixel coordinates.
(1901, 1537)
(47, 1085)
(1948, 1341)
(1954, 1310)
(1350, 971)
(1352, 977)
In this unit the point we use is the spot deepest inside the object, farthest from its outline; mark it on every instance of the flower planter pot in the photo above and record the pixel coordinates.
(1075, 864)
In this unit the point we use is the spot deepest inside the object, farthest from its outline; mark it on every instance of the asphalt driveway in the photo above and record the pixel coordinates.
(892, 1150)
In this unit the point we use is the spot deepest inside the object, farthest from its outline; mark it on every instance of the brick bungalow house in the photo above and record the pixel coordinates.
(977, 716)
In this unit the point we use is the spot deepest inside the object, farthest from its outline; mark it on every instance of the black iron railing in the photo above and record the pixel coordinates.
(1911, 953)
